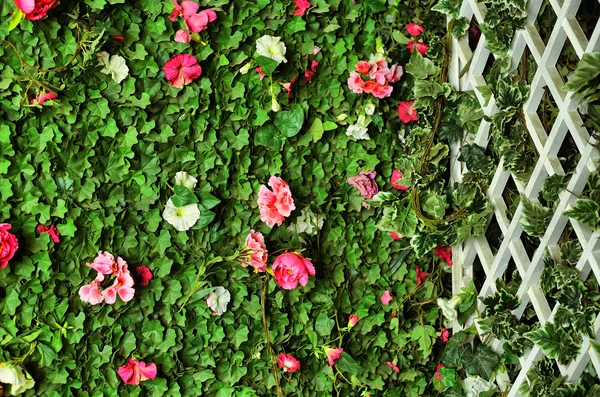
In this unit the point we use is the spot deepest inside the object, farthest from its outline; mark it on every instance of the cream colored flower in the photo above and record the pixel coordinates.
(271, 47)
(218, 300)
(357, 132)
(370, 109)
(473, 385)
(246, 68)
(182, 218)
(449, 309)
(114, 66)
(275, 106)
(184, 179)
(15, 376)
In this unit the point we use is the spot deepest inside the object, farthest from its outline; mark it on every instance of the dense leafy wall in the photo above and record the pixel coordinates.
(99, 163)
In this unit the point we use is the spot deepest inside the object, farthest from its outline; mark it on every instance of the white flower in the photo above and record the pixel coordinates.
(182, 218)
(18, 379)
(218, 300)
(115, 66)
(271, 47)
(474, 385)
(184, 179)
(342, 117)
(274, 104)
(370, 109)
(246, 68)
(358, 132)
(449, 309)
(307, 222)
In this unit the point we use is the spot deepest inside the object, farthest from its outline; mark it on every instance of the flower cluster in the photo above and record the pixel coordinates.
(36, 9)
(380, 78)
(106, 265)
(277, 204)
(258, 254)
(194, 20)
(8, 244)
(444, 253)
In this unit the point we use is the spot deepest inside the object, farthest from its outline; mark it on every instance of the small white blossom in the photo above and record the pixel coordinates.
(18, 379)
(184, 179)
(218, 300)
(357, 132)
(115, 66)
(246, 68)
(370, 109)
(275, 106)
(182, 218)
(271, 47)
(449, 309)
(341, 117)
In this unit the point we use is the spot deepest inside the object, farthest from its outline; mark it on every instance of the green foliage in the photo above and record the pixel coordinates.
(587, 208)
(535, 218)
(586, 79)
(555, 342)
(476, 361)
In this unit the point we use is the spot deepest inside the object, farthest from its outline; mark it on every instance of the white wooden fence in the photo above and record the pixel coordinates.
(568, 122)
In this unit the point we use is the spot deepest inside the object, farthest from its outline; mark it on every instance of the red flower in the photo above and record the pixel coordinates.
(52, 231)
(117, 37)
(420, 276)
(308, 74)
(444, 335)
(135, 372)
(258, 70)
(363, 67)
(396, 236)
(393, 365)
(181, 70)
(396, 176)
(444, 253)
(288, 363)
(43, 97)
(406, 112)
(301, 7)
(8, 245)
(290, 86)
(421, 47)
(437, 372)
(414, 28)
(36, 9)
(144, 275)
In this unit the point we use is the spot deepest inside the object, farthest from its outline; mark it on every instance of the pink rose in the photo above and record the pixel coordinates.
(255, 242)
(288, 363)
(333, 354)
(277, 204)
(135, 371)
(8, 245)
(396, 176)
(36, 9)
(292, 268)
(386, 297)
(365, 183)
(352, 320)
(355, 83)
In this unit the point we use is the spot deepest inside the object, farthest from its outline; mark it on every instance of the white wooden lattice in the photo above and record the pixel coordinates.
(547, 145)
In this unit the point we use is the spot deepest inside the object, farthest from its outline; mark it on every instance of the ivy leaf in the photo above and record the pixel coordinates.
(460, 27)
(448, 7)
(471, 155)
(208, 201)
(290, 122)
(535, 218)
(183, 196)
(555, 342)
(481, 363)
(571, 251)
(584, 322)
(422, 243)
(586, 79)
(347, 364)
(553, 185)
(585, 211)
(420, 67)
(269, 136)
(376, 6)
(268, 65)
(424, 334)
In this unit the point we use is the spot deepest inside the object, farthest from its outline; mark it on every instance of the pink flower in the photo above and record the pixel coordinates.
(255, 241)
(352, 320)
(386, 297)
(420, 276)
(198, 22)
(363, 67)
(395, 72)
(396, 176)
(290, 86)
(288, 363)
(333, 354)
(301, 7)
(437, 372)
(144, 275)
(421, 47)
(406, 112)
(135, 371)
(260, 73)
(43, 97)
(308, 74)
(316, 50)
(393, 365)
(292, 268)
(382, 91)
(444, 335)
(122, 286)
(396, 236)
(8, 245)
(52, 231)
(36, 9)
(414, 28)
(444, 253)
(378, 72)
(91, 293)
(104, 263)
(365, 183)
(186, 9)
(355, 83)
(277, 204)
(181, 70)
(369, 86)
(183, 36)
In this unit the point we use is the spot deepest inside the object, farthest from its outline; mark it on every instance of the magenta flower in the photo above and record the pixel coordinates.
(288, 363)
(414, 28)
(333, 354)
(144, 275)
(386, 297)
(36, 9)
(395, 236)
(8, 245)
(444, 253)
(352, 320)
(301, 7)
(366, 185)
(52, 231)
(292, 268)
(309, 73)
(420, 276)
(396, 176)
(421, 47)
(136, 371)
(43, 97)
(406, 112)
(444, 335)
(181, 70)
